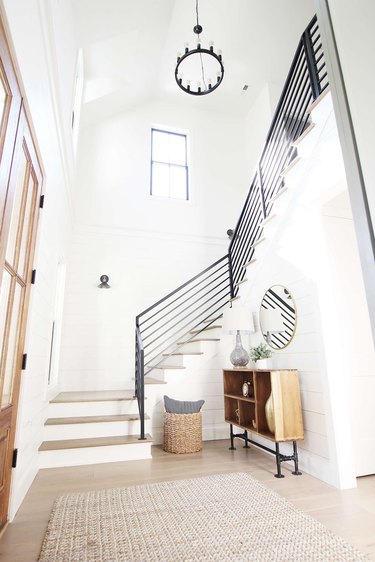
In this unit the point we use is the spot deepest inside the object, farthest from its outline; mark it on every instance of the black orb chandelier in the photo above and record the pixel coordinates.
(201, 62)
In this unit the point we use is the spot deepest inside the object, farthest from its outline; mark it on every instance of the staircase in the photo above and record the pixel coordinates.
(181, 330)
(164, 331)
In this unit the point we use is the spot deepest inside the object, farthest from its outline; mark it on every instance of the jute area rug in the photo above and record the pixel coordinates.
(224, 517)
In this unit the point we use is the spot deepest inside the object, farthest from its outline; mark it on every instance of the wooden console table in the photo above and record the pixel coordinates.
(248, 412)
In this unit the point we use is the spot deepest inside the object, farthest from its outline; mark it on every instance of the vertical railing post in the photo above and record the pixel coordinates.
(231, 281)
(141, 403)
(261, 190)
(139, 377)
(311, 64)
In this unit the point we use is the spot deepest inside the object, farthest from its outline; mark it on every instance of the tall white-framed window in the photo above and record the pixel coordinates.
(169, 165)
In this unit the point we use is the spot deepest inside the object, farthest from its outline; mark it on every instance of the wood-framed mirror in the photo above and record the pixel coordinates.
(278, 317)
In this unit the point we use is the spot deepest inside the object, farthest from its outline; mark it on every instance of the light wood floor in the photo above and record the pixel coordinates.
(349, 513)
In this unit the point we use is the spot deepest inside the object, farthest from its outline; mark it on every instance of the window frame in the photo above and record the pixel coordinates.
(170, 164)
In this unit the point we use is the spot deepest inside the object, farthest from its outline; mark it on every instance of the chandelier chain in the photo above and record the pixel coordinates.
(202, 67)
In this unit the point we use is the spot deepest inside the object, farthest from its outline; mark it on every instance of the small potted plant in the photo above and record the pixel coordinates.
(261, 355)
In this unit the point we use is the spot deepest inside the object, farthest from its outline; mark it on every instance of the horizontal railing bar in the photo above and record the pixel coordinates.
(186, 308)
(320, 46)
(245, 221)
(280, 137)
(182, 286)
(186, 325)
(181, 320)
(213, 272)
(313, 42)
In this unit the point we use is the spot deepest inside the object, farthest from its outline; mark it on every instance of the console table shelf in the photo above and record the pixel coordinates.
(248, 412)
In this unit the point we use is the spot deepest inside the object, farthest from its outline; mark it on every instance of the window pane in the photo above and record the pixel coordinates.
(3, 100)
(178, 183)
(169, 148)
(160, 179)
(160, 146)
(4, 297)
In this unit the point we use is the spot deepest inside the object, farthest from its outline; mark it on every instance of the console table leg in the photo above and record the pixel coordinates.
(246, 446)
(295, 458)
(278, 463)
(232, 447)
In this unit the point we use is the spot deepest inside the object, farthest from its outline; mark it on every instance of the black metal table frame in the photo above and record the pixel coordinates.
(279, 456)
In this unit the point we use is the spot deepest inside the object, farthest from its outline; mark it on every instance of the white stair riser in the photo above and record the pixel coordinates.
(183, 360)
(94, 455)
(207, 334)
(74, 409)
(83, 430)
(194, 347)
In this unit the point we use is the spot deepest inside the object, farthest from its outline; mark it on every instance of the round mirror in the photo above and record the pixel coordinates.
(278, 317)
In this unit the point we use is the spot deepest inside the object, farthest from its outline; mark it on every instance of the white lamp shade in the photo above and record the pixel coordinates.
(238, 318)
(271, 320)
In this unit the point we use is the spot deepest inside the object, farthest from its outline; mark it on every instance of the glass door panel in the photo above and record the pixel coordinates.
(4, 296)
(4, 94)
(26, 230)
(17, 214)
(8, 367)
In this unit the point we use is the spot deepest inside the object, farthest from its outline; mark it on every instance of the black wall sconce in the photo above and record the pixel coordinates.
(104, 282)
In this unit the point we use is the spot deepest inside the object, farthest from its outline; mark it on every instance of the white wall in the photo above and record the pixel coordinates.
(97, 350)
(352, 22)
(114, 172)
(349, 330)
(28, 38)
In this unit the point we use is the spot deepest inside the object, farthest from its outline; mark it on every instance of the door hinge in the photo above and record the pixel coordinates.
(41, 202)
(33, 276)
(14, 458)
(24, 361)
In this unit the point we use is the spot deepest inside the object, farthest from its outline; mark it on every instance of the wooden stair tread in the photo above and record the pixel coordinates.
(93, 442)
(212, 327)
(316, 102)
(94, 419)
(268, 219)
(152, 380)
(257, 242)
(279, 193)
(197, 341)
(290, 166)
(151, 367)
(183, 353)
(253, 260)
(213, 319)
(93, 396)
(304, 135)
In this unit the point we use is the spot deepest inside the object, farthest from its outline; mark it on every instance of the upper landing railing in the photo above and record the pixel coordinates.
(181, 315)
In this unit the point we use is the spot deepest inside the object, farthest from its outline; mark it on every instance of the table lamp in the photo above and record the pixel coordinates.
(236, 320)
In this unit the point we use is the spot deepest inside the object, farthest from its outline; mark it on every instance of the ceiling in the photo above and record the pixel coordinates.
(130, 50)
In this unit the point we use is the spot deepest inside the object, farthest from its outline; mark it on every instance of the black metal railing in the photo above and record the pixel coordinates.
(182, 314)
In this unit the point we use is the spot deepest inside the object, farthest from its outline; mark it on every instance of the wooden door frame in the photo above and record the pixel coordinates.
(12, 146)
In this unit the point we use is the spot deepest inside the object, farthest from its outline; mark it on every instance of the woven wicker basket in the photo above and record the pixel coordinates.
(182, 433)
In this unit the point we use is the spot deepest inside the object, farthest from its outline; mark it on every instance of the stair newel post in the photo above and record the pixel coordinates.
(311, 63)
(230, 269)
(261, 190)
(139, 377)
